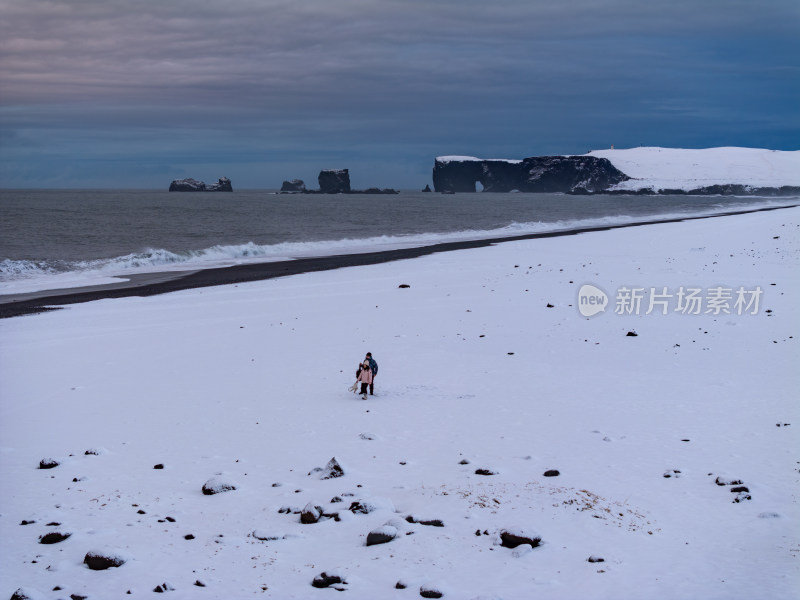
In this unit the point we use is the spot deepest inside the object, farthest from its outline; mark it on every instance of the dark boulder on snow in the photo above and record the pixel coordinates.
(324, 580)
(218, 485)
(552, 473)
(485, 472)
(334, 181)
(54, 537)
(331, 471)
(48, 463)
(295, 185)
(595, 559)
(100, 561)
(511, 538)
(430, 591)
(381, 535)
(311, 514)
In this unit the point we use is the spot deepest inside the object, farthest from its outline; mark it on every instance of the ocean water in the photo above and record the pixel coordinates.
(51, 239)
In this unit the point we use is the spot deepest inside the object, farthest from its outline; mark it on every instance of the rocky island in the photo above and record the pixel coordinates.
(331, 181)
(192, 185)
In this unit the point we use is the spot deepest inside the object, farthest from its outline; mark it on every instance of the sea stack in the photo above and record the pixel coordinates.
(334, 181)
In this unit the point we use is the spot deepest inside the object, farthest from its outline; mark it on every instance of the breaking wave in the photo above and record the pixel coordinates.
(19, 276)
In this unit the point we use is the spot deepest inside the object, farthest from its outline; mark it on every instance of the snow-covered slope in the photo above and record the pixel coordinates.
(687, 169)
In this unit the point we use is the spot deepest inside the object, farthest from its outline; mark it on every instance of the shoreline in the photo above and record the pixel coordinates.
(150, 284)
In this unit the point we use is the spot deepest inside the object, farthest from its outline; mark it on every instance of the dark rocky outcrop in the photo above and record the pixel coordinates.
(334, 181)
(295, 185)
(569, 174)
(192, 185)
(427, 189)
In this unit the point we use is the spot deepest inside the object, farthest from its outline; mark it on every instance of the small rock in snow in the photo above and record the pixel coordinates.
(99, 560)
(513, 538)
(381, 535)
(54, 537)
(485, 472)
(164, 587)
(158, 466)
(742, 497)
(725, 481)
(367, 436)
(331, 471)
(430, 590)
(368, 505)
(552, 473)
(218, 485)
(310, 514)
(400, 585)
(324, 580)
(403, 286)
(596, 559)
(48, 463)
(631, 334)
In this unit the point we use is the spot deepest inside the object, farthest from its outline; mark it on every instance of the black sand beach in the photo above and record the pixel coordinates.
(150, 284)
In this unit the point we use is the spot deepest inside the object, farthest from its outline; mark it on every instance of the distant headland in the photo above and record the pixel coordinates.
(638, 171)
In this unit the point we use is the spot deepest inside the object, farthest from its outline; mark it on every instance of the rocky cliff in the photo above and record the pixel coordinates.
(569, 174)
(334, 181)
(192, 185)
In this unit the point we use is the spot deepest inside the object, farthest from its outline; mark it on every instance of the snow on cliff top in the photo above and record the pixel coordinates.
(447, 159)
(686, 169)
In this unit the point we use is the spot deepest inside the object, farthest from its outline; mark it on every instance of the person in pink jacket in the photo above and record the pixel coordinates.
(364, 375)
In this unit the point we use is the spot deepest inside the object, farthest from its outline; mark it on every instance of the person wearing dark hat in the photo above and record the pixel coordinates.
(374, 368)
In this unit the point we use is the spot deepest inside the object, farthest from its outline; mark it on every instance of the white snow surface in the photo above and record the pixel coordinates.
(687, 169)
(251, 380)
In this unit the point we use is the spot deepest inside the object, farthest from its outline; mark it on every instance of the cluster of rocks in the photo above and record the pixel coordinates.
(735, 486)
(192, 185)
(331, 181)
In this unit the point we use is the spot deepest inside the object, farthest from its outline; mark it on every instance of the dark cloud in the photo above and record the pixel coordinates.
(383, 83)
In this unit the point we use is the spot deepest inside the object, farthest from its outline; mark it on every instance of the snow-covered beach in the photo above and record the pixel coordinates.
(485, 364)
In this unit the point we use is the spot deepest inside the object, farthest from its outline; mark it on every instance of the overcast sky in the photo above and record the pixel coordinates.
(124, 93)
